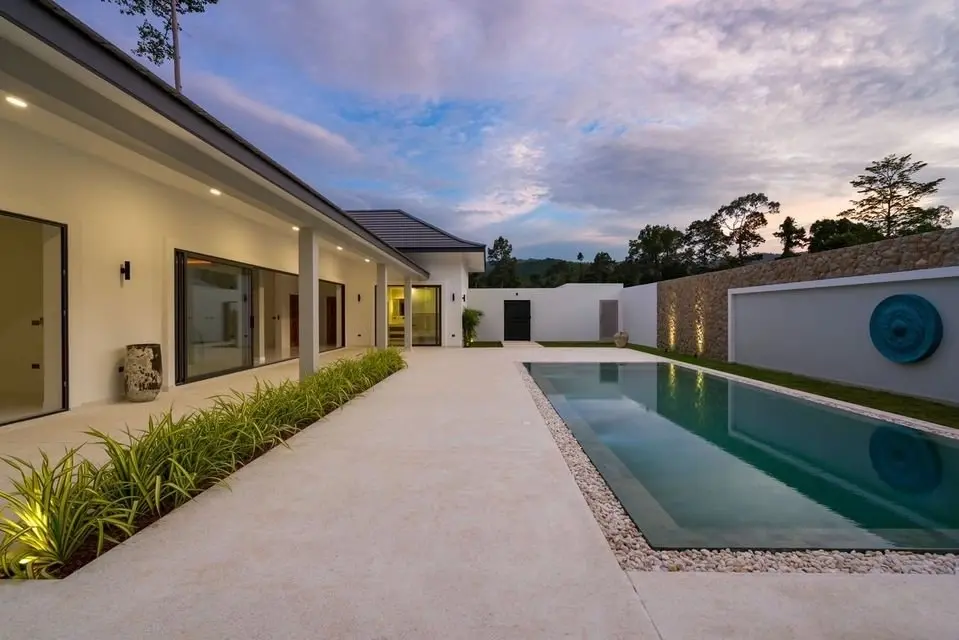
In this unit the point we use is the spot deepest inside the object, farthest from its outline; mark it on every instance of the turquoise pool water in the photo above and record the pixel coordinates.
(701, 461)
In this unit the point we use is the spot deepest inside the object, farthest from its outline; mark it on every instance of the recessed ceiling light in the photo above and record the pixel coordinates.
(296, 228)
(216, 192)
(339, 248)
(20, 103)
(366, 259)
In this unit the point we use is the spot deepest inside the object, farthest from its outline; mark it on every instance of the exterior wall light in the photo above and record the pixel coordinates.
(125, 269)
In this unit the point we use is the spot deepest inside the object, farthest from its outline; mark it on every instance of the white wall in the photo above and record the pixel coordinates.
(821, 329)
(637, 313)
(115, 214)
(564, 314)
(448, 271)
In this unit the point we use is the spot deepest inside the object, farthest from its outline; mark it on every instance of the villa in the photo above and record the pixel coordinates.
(129, 215)
(792, 419)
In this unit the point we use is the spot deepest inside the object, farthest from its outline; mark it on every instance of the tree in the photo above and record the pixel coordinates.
(891, 195)
(706, 243)
(792, 236)
(159, 44)
(925, 220)
(502, 271)
(601, 269)
(655, 254)
(743, 218)
(579, 259)
(558, 274)
(830, 233)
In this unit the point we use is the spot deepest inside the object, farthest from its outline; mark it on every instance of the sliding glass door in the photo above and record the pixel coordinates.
(33, 318)
(214, 317)
(426, 311)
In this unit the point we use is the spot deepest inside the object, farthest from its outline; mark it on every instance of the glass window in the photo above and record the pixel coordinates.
(425, 309)
(214, 334)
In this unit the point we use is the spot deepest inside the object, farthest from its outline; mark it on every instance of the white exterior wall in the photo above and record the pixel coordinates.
(821, 329)
(563, 314)
(115, 214)
(637, 313)
(448, 271)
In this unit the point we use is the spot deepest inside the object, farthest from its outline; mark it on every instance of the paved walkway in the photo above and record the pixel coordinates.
(437, 506)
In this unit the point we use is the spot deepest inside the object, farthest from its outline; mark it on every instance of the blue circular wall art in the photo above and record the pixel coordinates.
(905, 328)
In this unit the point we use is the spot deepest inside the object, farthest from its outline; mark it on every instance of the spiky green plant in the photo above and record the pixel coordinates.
(54, 510)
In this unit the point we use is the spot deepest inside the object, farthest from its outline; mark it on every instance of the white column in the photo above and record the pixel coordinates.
(382, 308)
(309, 300)
(408, 318)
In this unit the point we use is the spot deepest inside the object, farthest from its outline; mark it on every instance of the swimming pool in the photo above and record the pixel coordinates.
(704, 462)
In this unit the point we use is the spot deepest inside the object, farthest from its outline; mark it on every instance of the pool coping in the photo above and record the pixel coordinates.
(878, 414)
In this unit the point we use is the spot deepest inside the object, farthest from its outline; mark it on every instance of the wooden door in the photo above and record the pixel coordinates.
(517, 320)
(332, 339)
(294, 320)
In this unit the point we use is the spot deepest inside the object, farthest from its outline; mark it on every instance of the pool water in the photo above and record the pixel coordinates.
(702, 461)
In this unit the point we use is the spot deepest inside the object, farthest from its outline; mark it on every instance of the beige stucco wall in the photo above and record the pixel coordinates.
(114, 213)
(692, 312)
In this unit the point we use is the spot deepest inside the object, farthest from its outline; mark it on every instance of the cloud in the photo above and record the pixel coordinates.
(228, 97)
(579, 121)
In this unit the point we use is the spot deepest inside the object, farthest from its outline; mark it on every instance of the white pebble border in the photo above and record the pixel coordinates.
(634, 554)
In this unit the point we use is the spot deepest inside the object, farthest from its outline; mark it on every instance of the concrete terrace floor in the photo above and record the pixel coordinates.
(60, 431)
(437, 506)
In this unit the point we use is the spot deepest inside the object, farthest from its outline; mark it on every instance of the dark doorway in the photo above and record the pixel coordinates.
(332, 332)
(516, 320)
(294, 321)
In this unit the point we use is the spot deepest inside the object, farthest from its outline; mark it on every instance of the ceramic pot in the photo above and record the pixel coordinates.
(621, 339)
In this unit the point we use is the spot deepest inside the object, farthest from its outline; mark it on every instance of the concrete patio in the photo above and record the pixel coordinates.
(438, 506)
(60, 431)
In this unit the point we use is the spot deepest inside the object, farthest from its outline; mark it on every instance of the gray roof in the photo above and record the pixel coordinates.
(51, 24)
(406, 232)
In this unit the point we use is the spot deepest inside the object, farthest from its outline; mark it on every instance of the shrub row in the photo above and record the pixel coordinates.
(62, 514)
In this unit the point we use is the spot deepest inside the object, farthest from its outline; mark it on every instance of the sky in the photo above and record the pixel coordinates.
(568, 125)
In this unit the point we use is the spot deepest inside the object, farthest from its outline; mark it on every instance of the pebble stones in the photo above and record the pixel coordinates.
(634, 554)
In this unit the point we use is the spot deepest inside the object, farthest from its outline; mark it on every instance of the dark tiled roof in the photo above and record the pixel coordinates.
(406, 232)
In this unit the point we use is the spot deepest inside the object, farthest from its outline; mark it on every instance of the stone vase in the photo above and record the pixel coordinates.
(142, 372)
(621, 339)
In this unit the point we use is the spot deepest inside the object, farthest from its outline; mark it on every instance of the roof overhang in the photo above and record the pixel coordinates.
(474, 259)
(66, 68)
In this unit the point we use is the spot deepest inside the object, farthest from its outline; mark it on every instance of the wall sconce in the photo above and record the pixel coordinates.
(464, 298)
(125, 269)
(453, 299)
(359, 298)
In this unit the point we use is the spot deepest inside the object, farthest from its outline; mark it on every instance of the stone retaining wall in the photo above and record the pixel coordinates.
(692, 312)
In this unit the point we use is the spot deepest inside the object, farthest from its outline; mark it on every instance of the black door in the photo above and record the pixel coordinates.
(516, 320)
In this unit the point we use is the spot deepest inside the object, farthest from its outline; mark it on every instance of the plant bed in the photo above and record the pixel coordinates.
(63, 514)
(486, 344)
